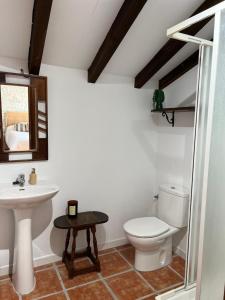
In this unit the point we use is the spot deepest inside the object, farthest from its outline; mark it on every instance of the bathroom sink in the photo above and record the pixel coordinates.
(22, 200)
(25, 197)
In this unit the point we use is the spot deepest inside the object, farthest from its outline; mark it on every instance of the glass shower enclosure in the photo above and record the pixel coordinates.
(205, 267)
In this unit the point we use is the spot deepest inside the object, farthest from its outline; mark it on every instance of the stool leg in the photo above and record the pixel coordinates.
(66, 245)
(74, 244)
(88, 242)
(93, 230)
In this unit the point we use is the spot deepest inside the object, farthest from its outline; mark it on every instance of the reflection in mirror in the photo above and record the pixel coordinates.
(15, 117)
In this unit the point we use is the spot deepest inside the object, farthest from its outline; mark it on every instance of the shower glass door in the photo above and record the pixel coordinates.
(211, 264)
(201, 121)
(206, 242)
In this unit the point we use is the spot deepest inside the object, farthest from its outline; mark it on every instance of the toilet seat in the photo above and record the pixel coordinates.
(146, 227)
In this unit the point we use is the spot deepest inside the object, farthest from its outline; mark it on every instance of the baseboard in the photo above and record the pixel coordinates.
(180, 252)
(5, 270)
(51, 258)
(113, 243)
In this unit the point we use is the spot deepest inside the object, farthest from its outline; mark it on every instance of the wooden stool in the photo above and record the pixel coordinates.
(84, 221)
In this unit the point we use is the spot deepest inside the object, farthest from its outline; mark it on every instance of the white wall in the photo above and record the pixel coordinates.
(174, 144)
(102, 146)
(105, 149)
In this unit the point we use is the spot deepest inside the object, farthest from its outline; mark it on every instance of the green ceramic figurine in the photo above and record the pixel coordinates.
(158, 98)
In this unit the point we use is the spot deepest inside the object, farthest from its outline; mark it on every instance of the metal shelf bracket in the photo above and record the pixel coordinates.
(170, 121)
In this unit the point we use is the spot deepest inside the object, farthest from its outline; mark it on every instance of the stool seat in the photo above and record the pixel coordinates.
(83, 221)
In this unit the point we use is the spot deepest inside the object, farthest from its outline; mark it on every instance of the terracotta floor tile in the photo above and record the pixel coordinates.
(178, 264)
(171, 288)
(93, 291)
(47, 282)
(128, 286)
(151, 297)
(112, 263)
(60, 263)
(123, 247)
(129, 254)
(43, 267)
(60, 296)
(80, 279)
(7, 291)
(162, 278)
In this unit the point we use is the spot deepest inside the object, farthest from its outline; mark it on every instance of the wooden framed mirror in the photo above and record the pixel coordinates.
(23, 117)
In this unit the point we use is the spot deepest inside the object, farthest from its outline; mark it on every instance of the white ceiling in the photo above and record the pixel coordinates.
(15, 27)
(78, 27)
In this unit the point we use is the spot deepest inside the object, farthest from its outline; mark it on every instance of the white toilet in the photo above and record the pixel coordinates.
(152, 236)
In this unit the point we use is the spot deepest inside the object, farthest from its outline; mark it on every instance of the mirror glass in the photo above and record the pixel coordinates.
(15, 117)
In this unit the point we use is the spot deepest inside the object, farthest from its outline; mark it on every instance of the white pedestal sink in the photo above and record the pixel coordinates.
(22, 200)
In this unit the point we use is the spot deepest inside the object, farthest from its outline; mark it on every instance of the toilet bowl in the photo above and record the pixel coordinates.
(152, 236)
(152, 240)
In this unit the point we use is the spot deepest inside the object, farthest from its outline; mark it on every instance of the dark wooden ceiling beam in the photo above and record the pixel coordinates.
(40, 19)
(180, 70)
(122, 23)
(171, 47)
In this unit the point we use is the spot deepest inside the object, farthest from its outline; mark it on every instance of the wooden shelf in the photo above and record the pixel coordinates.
(175, 109)
(172, 110)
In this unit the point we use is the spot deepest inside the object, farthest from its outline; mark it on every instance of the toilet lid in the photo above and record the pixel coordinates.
(146, 227)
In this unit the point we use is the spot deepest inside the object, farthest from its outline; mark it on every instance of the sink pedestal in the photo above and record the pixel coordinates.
(23, 273)
(22, 200)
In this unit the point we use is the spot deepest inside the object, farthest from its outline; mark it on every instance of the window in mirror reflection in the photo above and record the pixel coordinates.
(15, 117)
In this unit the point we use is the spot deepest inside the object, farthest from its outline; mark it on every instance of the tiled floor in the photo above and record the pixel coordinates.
(117, 280)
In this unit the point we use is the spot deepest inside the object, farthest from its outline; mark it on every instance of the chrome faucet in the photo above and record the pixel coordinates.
(20, 180)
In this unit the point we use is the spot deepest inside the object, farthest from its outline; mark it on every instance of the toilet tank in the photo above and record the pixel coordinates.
(173, 205)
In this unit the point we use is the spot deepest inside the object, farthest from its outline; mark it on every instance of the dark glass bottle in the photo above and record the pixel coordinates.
(72, 208)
